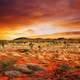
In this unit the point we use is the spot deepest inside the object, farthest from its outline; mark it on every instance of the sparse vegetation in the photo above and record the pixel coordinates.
(40, 59)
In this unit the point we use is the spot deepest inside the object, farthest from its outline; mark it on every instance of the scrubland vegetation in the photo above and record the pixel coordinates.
(40, 59)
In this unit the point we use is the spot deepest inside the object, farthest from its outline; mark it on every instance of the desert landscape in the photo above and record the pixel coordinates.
(39, 39)
(40, 59)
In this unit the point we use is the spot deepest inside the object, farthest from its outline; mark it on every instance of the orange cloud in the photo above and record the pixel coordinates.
(17, 14)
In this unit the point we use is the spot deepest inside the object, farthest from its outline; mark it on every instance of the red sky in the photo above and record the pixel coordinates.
(17, 14)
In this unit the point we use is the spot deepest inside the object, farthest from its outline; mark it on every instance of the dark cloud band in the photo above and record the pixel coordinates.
(38, 9)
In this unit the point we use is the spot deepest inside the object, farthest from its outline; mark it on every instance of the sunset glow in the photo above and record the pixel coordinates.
(36, 30)
(29, 18)
(39, 39)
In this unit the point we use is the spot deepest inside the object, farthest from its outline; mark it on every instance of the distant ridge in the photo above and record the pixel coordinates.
(53, 36)
(21, 38)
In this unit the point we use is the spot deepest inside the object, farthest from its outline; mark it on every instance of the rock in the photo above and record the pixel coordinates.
(13, 73)
(35, 67)
(23, 68)
(28, 68)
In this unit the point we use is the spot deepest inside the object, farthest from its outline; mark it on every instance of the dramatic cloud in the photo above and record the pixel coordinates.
(16, 9)
(15, 14)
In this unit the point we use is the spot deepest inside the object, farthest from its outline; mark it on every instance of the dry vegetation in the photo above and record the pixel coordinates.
(38, 59)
